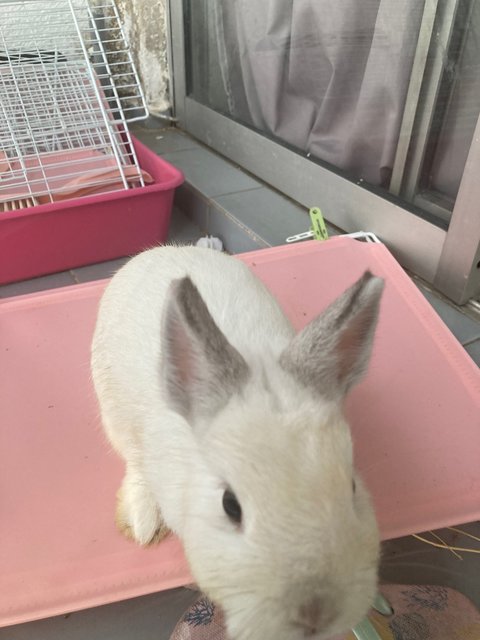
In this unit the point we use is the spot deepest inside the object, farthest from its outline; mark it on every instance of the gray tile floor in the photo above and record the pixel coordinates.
(221, 199)
(151, 617)
(464, 327)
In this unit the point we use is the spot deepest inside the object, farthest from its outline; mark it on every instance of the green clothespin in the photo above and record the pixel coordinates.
(319, 228)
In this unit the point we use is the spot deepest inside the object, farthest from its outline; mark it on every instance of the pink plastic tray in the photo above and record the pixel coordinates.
(415, 421)
(63, 235)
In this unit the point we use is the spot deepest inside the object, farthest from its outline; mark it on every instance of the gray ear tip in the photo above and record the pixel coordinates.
(186, 281)
(182, 285)
(185, 296)
(372, 283)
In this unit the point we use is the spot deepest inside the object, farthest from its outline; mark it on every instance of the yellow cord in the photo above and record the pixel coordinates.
(465, 533)
(443, 545)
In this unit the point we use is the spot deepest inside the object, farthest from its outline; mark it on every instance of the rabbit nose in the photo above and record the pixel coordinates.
(309, 617)
(313, 617)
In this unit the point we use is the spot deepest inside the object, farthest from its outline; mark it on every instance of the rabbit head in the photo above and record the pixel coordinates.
(278, 528)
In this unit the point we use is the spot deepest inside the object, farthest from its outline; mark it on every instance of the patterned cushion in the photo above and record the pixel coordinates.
(420, 613)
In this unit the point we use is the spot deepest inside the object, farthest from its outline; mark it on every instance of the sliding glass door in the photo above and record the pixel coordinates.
(369, 110)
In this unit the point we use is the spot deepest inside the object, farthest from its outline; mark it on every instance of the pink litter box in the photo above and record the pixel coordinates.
(71, 233)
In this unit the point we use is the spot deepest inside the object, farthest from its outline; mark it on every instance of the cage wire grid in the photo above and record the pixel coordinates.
(68, 88)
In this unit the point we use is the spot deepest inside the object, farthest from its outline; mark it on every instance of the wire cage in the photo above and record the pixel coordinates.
(68, 88)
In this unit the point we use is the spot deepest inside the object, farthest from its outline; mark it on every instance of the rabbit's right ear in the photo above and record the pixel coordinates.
(332, 352)
(200, 368)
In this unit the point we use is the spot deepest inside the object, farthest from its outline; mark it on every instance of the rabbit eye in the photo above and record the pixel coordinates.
(231, 506)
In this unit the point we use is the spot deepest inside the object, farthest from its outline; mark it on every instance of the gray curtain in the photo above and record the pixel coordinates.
(329, 77)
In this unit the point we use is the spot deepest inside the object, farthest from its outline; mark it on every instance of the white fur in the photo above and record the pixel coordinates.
(285, 451)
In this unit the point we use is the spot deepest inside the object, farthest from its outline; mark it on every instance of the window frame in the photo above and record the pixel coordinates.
(446, 258)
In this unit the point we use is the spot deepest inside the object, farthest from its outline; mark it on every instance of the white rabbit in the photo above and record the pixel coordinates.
(232, 431)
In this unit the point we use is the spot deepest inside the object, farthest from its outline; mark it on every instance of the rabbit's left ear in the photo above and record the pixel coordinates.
(332, 352)
(201, 369)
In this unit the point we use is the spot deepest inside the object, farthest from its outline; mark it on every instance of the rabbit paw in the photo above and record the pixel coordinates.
(138, 516)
